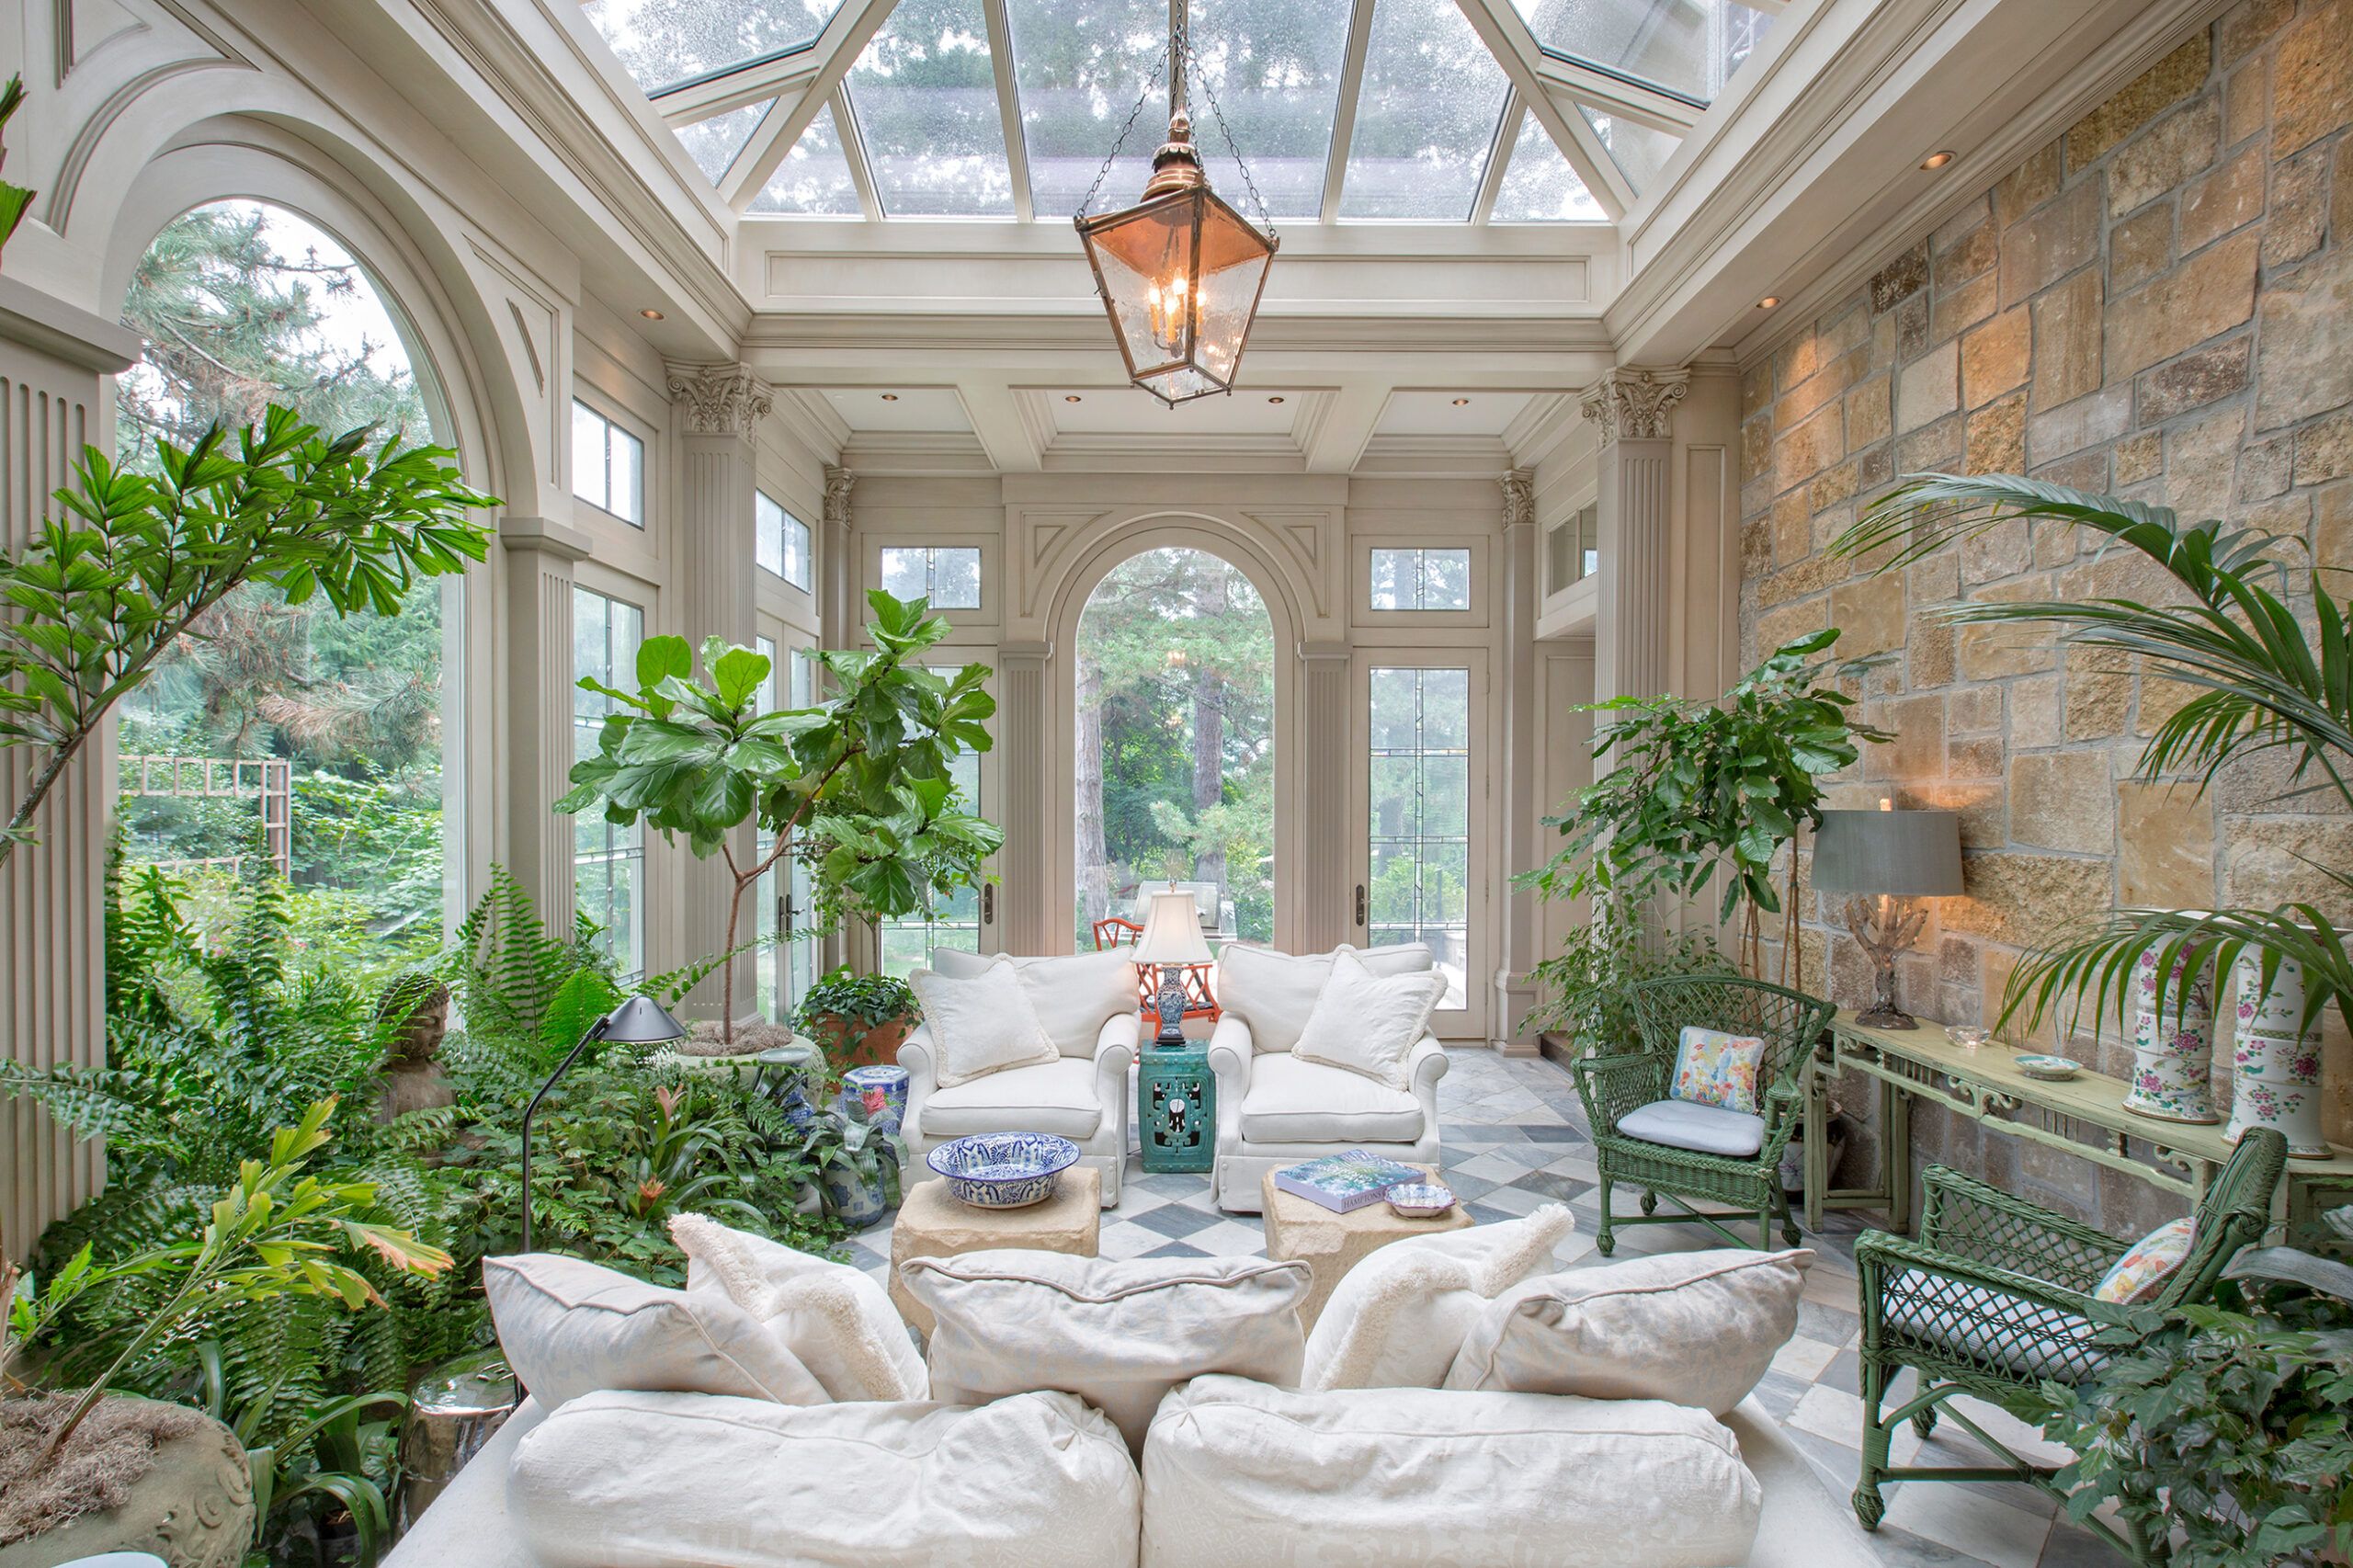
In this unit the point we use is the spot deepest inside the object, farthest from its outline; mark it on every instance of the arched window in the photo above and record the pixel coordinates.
(1175, 774)
(286, 737)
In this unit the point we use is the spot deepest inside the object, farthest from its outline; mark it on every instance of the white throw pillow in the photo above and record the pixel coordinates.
(1368, 1025)
(669, 1481)
(980, 1024)
(835, 1319)
(570, 1327)
(1074, 994)
(1239, 1473)
(1119, 1334)
(1275, 993)
(1696, 1328)
(1396, 1319)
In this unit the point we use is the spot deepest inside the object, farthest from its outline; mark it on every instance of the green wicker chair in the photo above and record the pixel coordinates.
(1613, 1087)
(1994, 1298)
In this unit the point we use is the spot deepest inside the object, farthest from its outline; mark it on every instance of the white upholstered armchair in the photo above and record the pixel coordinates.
(1087, 1004)
(1275, 1109)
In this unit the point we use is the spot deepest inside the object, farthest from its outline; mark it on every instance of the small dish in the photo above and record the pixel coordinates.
(2053, 1069)
(1969, 1036)
(1419, 1200)
(1003, 1170)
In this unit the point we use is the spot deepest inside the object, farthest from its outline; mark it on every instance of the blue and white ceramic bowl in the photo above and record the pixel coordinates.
(2055, 1069)
(1420, 1201)
(1003, 1170)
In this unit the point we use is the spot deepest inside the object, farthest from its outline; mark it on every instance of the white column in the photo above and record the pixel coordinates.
(1324, 912)
(54, 365)
(1034, 916)
(1520, 807)
(718, 408)
(1633, 628)
(535, 748)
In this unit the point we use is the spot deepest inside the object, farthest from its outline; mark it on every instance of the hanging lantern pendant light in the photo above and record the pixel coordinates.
(1180, 272)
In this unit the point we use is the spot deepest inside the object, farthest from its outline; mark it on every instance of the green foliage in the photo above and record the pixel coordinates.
(862, 1001)
(2269, 654)
(2230, 1423)
(858, 787)
(15, 199)
(134, 561)
(1585, 986)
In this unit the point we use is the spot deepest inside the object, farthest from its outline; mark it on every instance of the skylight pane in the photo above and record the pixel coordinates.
(924, 95)
(1425, 117)
(666, 42)
(1684, 46)
(713, 143)
(814, 177)
(1273, 67)
(1638, 151)
(1539, 186)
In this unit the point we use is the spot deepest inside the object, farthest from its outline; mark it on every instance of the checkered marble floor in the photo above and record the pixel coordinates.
(1515, 1137)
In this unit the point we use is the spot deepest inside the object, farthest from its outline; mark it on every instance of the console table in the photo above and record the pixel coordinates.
(2084, 1116)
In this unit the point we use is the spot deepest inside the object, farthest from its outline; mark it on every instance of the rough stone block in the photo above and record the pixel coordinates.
(1870, 413)
(2311, 91)
(1928, 388)
(2280, 860)
(1959, 309)
(1973, 709)
(1918, 749)
(2139, 457)
(1809, 446)
(1870, 612)
(2139, 247)
(2324, 449)
(1934, 579)
(2264, 467)
(2244, 26)
(1911, 320)
(1997, 437)
(1935, 450)
(2067, 339)
(2228, 199)
(2138, 102)
(2175, 148)
(2027, 187)
(1995, 357)
(2086, 422)
(1901, 279)
(1992, 554)
(2302, 368)
(1963, 254)
(2062, 801)
(1810, 576)
(2099, 696)
(1755, 389)
(1980, 758)
(2332, 527)
(1929, 652)
(2164, 838)
(2204, 296)
(2299, 207)
(1792, 538)
(2045, 248)
(2016, 899)
(2246, 101)
(2201, 462)
(1756, 448)
(2204, 375)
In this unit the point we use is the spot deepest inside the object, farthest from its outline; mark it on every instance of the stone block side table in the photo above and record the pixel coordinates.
(1176, 1109)
(1331, 1244)
(933, 1224)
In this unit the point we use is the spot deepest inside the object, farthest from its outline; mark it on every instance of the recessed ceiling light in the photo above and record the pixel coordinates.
(1768, 302)
(1937, 160)
(1461, 403)
(889, 397)
(1274, 400)
(650, 314)
(1070, 397)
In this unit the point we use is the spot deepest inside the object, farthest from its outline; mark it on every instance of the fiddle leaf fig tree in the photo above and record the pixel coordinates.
(134, 562)
(856, 787)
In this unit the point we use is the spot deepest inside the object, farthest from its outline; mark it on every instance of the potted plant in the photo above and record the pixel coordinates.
(859, 1020)
(112, 1471)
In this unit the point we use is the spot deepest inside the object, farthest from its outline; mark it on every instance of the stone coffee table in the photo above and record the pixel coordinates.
(933, 1224)
(1331, 1244)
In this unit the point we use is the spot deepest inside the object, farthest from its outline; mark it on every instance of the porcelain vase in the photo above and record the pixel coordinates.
(2275, 1067)
(2173, 1048)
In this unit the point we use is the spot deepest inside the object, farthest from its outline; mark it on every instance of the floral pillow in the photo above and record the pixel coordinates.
(1718, 1069)
(2141, 1274)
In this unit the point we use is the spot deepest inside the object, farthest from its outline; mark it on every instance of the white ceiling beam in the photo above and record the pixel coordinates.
(1491, 184)
(1005, 435)
(1616, 96)
(752, 84)
(1346, 425)
(1344, 121)
(1008, 106)
(836, 49)
(1499, 26)
(861, 168)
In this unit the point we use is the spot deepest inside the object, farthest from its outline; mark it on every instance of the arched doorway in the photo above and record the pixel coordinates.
(1175, 746)
(286, 735)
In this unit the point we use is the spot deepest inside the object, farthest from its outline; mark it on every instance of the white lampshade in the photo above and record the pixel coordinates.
(1172, 930)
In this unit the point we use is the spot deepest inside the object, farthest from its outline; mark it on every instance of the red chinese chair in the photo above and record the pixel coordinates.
(1201, 1000)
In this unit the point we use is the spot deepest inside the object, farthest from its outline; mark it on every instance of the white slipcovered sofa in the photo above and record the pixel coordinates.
(1275, 1109)
(1087, 1004)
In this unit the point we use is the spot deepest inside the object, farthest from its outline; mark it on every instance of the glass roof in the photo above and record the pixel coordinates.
(1434, 132)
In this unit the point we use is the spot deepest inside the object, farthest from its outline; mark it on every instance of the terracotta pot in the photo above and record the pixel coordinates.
(194, 1509)
(846, 1046)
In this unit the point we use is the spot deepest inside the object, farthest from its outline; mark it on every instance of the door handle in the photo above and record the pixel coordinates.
(784, 916)
(988, 903)
(1359, 903)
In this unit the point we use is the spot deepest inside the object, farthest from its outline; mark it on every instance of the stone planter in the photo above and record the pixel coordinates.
(193, 1507)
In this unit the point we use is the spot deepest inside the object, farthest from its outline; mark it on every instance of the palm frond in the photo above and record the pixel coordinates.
(2090, 977)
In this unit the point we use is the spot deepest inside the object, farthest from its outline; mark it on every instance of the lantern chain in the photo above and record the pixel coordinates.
(1201, 75)
(1158, 75)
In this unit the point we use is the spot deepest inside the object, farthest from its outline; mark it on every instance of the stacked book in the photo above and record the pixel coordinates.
(1346, 1182)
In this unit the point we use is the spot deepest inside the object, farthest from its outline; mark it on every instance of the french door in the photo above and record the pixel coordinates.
(1419, 789)
(785, 963)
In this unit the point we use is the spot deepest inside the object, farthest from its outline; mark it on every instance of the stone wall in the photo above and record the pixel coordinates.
(2158, 304)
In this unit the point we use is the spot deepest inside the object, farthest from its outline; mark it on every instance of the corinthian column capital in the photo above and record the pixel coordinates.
(720, 400)
(1520, 496)
(1630, 404)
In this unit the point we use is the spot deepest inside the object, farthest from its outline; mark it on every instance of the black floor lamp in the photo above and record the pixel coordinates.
(641, 1021)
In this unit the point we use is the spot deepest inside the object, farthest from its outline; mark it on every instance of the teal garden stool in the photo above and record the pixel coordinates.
(1176, 1109)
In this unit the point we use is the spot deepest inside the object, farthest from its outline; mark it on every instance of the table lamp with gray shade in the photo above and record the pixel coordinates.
(1885, 859)
(1171, 940)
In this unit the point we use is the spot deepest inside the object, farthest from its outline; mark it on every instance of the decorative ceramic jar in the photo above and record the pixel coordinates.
(863, 1084)
(2275, 1067)
(2172, 1047)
